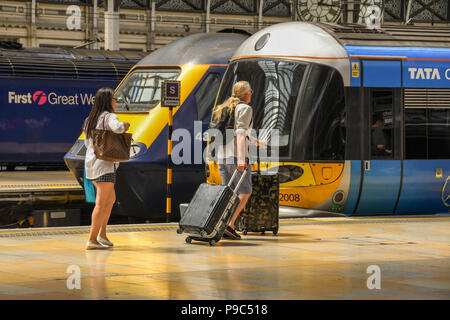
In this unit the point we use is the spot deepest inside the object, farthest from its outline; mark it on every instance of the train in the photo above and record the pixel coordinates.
(362, 115)
(45, 94)
(199, 62)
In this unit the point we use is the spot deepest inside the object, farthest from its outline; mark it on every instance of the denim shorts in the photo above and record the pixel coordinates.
(226, 172)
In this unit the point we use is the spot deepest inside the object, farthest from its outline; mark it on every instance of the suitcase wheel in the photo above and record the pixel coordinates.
(275, 231)
(188, 239)
(244, 232)
(179, 231)
(212, 243)
(203, 234)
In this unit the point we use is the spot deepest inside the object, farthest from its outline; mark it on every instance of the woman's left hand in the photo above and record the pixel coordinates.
(261, 144)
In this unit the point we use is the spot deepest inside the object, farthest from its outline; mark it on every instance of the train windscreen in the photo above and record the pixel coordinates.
(276, 86)
(303, 101)
(141, 90)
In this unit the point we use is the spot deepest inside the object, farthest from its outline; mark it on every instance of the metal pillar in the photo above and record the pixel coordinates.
(32, 41)
(260, 14)
(208, 13)
(94, 24)
(112, 25)
(152, 35)
(408, 12)
(350, 10)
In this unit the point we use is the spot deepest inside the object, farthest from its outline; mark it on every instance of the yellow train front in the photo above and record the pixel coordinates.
(199, 62)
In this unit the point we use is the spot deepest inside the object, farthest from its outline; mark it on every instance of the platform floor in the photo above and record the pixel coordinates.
(321, 258)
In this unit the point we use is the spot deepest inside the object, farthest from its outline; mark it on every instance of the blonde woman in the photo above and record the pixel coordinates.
(234, 154)
(101, 173)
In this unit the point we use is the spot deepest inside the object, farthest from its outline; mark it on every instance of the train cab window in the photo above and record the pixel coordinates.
(276, 87)
(320, 122)
(382, 125)
(141, 90)
(206, 95)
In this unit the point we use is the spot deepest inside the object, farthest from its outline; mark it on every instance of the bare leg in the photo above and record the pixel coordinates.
(244, 198)
(102, 201)
(108, 214)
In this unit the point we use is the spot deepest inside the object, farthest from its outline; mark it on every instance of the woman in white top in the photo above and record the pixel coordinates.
(101, 173)
(234, 155)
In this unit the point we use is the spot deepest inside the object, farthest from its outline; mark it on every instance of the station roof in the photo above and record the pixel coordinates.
(389, 35)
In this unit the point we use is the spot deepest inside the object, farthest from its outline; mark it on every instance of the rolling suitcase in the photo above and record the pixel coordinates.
(261, 213)
(210, 211)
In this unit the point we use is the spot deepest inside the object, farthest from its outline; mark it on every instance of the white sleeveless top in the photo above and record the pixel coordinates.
(243, 115)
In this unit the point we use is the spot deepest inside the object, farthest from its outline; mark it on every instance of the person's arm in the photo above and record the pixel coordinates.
(243, 118)
(115, 125)
(241, 151)
(257, 142)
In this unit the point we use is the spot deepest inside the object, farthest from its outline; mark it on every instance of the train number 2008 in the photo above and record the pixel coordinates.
(289, 197)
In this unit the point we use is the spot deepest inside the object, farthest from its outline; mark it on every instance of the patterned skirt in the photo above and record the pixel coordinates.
(109, 177)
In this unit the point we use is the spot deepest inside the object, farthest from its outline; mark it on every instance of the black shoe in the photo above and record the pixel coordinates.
(227, 235)
(232, 233)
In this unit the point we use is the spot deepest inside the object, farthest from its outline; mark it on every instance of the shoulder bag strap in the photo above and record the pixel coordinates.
(104, 118)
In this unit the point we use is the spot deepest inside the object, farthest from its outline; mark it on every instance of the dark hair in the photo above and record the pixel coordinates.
(102, 103)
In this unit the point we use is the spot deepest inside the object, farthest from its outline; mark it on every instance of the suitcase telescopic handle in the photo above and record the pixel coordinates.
(240, 180)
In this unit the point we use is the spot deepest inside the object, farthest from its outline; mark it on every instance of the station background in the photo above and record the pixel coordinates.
(174, 19)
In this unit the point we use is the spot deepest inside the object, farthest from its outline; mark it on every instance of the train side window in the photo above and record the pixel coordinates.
(427, 123)
(320, 132)
(206, 95)
(416, 133)
(438, 133)
(382, 125)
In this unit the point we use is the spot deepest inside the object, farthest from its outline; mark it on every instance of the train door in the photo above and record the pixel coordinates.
(381, 165)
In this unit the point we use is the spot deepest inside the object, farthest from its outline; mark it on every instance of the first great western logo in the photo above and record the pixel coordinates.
(42, 98)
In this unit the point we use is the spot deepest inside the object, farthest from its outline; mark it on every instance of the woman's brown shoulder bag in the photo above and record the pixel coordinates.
(111, 146)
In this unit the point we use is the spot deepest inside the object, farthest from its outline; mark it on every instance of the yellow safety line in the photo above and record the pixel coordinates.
(281, 222)
(346, 220)
(86, 228)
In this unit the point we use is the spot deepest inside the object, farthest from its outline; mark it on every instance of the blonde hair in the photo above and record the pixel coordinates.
(240, 89)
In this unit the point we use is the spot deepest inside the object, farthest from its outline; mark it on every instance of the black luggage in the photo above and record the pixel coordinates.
(261, 213)
(210, 211)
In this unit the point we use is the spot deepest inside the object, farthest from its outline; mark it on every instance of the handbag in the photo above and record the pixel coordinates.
(89, 189)
(111, 146)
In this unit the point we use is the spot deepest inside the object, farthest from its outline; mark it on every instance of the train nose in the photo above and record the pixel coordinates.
(141, 189)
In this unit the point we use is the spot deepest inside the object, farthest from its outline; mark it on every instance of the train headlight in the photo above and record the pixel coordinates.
(288, 173)
(74, 148)
(207, 171)
(338, 197)
(262, 41)
(137, 149)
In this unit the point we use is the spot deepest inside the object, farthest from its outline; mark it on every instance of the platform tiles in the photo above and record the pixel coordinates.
(322, 258)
